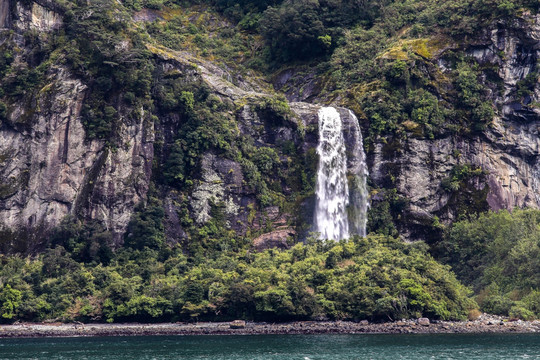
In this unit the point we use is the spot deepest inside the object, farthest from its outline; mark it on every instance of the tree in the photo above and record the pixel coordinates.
(146, 227)
(10, 300)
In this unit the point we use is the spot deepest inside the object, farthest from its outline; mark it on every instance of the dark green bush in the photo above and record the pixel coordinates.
(377, 278)
(497, 254)
(3, 111)
(146, 227)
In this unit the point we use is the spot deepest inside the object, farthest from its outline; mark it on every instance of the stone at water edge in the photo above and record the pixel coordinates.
(423, 321)
(237, 324)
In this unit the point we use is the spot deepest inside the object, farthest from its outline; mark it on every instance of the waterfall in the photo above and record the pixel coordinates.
(332, 190)
(338, 213)
(359, 198)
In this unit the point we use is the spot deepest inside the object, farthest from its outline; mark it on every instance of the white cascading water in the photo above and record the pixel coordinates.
(332, 191)
(359, 197)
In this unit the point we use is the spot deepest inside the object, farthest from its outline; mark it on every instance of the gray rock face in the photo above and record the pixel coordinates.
(43, 163)
(515, 49)
(508, 151)
(38, 17)
(274, 239)
(511, 148)
(5, 15)
(299, 84)
(220, 179)
(49, 170)
(122, 179)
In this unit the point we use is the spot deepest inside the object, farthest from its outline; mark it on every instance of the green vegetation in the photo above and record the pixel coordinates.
(377, 278)
(86, 243)
(111, 57)
(10, 300)
(459, 175)
(498, 254)
(205, 126)
(204, 33)
(146, 227)
(471, 94)
(3, 111)
(386, 206)
(466, 197)
(376, 57)
(388, 45)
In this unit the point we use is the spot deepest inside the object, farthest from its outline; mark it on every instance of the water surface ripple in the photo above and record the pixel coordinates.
(254, 347)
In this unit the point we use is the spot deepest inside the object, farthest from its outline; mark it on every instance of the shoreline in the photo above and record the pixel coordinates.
(36, 330)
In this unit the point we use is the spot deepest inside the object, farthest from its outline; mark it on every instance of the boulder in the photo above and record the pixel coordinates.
(237, 324)
(274, 239)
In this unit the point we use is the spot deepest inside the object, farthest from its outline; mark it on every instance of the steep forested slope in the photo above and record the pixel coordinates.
(160, 134)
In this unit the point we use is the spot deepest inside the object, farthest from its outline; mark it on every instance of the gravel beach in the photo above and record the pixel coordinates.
(487, 324)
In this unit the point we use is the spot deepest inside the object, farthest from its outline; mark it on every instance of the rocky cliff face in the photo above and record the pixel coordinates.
(5, 15)
(507, 151)
(42, 15)
(223, 180)
(49, 169)
(37, 17)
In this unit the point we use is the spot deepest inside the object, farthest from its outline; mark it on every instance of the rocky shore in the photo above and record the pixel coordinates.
(486, 325)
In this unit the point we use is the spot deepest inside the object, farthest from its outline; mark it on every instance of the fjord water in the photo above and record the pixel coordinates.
(278, 347)
(340, 209)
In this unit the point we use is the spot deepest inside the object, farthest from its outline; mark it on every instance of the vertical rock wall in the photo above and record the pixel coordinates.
(49, 170)
(5, 14)
(508, 151)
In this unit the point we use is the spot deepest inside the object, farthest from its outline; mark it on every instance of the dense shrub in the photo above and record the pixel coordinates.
(498, 254)
(377, 278)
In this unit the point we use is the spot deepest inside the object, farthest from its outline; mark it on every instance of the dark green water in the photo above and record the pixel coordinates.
(302, 347)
